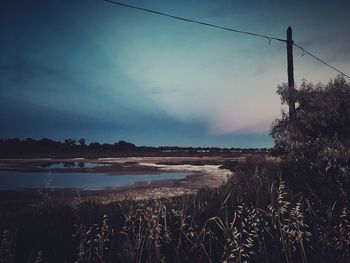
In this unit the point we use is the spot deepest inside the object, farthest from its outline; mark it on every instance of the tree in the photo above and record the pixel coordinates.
(70, 142)
(82, 142)
(316, 143)
(123, 146)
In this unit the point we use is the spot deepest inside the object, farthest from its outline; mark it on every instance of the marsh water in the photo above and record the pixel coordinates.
(12, 180)
(68, 165)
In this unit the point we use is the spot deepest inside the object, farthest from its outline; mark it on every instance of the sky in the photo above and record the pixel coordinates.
(92, 69)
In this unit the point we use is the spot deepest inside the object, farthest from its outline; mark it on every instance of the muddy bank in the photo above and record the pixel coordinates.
(201, 172)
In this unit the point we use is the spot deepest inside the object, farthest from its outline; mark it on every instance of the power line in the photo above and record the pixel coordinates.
(269, 38)
(305, 52)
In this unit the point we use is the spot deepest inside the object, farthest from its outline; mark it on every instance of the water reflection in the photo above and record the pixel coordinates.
(10, 180)
(68, 165)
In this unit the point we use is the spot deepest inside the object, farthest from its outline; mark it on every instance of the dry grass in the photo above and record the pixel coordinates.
(255, 217)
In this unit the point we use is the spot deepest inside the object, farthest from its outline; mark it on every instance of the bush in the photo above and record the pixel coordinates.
(315, 144)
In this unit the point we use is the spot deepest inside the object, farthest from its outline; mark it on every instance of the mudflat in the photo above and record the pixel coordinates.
(200, 171)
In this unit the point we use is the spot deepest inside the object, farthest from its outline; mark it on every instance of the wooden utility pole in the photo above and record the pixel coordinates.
(291, 99)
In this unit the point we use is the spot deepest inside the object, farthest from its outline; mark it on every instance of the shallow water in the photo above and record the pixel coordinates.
(69, 165)
(11, 180)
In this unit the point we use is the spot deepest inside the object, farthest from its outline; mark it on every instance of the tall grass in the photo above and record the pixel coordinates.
(257, 216)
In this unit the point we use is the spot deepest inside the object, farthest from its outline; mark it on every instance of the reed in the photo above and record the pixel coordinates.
(257, 216)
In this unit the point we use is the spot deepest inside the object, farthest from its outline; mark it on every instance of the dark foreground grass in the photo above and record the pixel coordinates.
(257, 216)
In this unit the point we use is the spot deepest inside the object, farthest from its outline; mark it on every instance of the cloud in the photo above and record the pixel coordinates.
(231, 90)
(150, 77)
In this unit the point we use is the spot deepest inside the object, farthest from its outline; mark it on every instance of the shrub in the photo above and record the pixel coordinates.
(315, 144)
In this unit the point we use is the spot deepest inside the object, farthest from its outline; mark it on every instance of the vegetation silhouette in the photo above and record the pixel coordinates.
(71, 148)
(315, 145)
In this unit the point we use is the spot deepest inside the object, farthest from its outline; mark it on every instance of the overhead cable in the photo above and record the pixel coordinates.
(305, 52)
(269, 38)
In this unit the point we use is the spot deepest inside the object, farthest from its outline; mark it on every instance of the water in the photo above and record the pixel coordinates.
(11, 180)
(69, 165)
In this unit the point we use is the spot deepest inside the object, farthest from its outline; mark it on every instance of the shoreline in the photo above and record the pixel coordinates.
(200, 172)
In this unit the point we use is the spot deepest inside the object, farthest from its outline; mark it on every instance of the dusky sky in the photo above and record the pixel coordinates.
(72, 69)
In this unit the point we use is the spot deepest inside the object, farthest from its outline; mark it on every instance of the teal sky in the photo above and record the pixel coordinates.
(71, 69)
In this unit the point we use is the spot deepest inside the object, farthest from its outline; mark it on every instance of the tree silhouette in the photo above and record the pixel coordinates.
(315, 144)
(82, 142)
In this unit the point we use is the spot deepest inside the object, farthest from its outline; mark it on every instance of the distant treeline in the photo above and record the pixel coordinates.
(48, 147)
